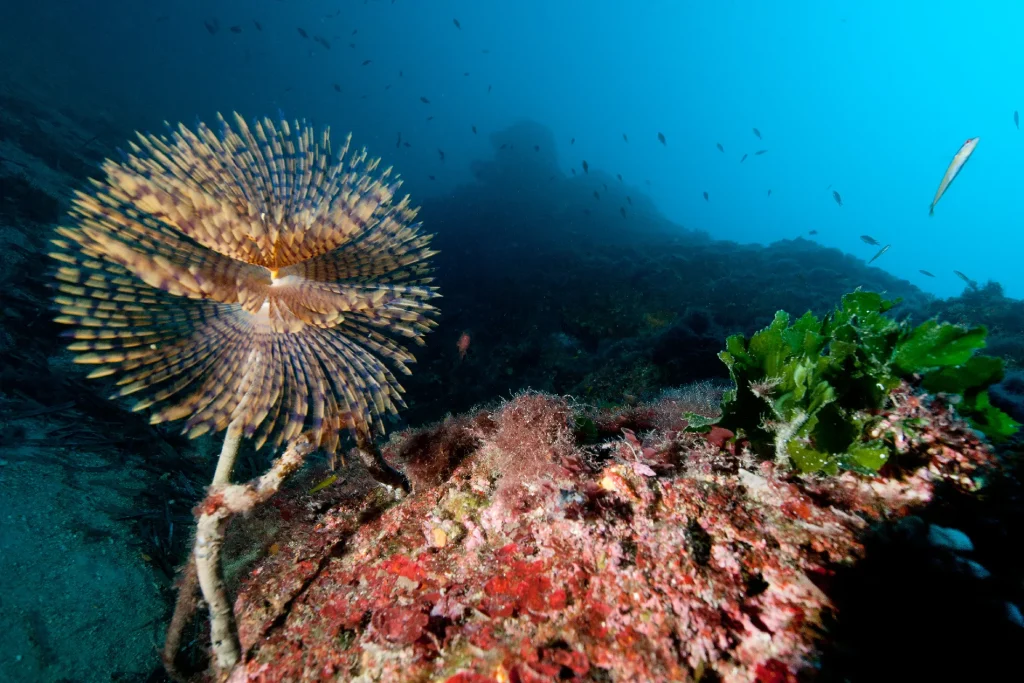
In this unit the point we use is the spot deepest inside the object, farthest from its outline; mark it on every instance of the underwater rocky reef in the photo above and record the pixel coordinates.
(574, 530)
(525, 554)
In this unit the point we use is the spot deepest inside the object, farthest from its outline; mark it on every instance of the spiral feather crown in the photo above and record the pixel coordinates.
(246, 275)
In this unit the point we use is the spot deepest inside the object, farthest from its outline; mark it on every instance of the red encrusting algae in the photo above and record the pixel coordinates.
(524, 557)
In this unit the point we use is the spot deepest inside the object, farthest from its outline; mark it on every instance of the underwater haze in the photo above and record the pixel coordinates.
(868, 99)
(602, 196)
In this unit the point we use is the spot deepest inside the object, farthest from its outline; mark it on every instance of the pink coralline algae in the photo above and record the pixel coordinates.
(524, 557)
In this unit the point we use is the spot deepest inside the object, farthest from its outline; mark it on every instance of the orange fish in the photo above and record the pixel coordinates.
(463, 345)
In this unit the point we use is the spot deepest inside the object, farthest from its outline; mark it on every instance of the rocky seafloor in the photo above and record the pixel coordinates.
(649, 554)
(528, 551)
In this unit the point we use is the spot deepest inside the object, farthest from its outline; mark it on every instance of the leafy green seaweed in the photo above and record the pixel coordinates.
(809, 391)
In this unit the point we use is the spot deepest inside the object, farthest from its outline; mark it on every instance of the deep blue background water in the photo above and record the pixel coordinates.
(870, 97)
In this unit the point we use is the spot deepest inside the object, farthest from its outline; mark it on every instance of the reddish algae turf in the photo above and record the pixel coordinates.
(524, 557)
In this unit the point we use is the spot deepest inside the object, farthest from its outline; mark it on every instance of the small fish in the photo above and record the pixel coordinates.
(258, 25)
(302, 32)
(880, 252)
(400, 73)
(1016, 119)
(622, 210)
(536, 148)
(337, 87)
(367, 62)
(488, 89)
(465, 73)
(605, 186)
(485, 51)
(706, 197)
(925, 272)
(457, 24)
(431, 177)
(743, 158)
(387, 87)
(399, 143)
(839, 200)
(971, 283)
(586, 166)
(719, 146)
(424, 100)
(813, 232)
(760, 152)
(629, 200)
(868, 239)
(573, 171)
(352, 45)
(355, 31)
(324, 484)
(162, 18)
(463, 345)
(619, 176)
(212, 26)
(757, 133)
(596, 195)
(769, 193)
(503, 146)
(572, 142)
(406, 144)
(322, 41)
(586, 212)
(440, 153)
(624, 137)
(954, 169)
(235, 29)
(474, 129)
(430, 118)
(661, 139)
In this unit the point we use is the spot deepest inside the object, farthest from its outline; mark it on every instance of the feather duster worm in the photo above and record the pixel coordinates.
(246, 277)
(245, 280)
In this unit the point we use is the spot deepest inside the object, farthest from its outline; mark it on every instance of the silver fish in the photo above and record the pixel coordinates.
(954, 168)
(880, 252)
(970, 283)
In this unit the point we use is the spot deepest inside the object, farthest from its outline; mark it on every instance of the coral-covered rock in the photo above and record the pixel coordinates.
(522, 556)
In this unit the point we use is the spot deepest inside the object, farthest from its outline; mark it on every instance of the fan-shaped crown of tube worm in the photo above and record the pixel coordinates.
(245, 275)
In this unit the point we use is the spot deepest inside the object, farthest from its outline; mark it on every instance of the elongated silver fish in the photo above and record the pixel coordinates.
(970, 283)
(880, 252)
(954, 168)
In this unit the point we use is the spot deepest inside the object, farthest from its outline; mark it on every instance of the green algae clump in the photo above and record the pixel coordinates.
(812, 392)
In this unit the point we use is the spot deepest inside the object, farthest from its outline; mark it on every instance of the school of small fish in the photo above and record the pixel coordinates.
(954, 168)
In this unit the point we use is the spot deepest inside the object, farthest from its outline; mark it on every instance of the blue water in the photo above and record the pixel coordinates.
(871, 98)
